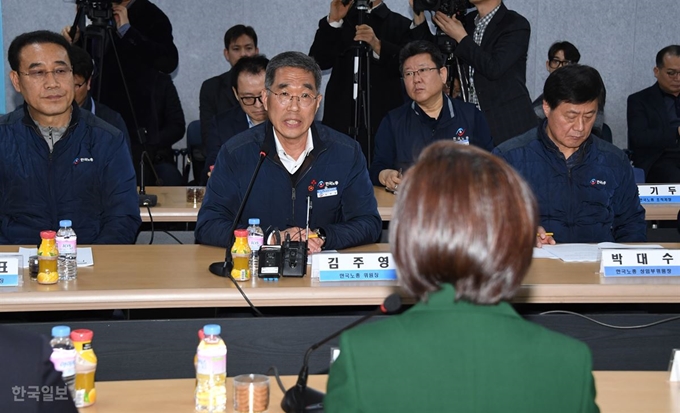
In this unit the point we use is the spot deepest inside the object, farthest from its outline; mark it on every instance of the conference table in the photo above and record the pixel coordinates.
(167, 294)
(173, 207)
(617, 392)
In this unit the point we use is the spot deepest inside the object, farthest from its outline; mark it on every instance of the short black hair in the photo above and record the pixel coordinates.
(37, 37)
(248, 64)
(421, 47)
(295, 60)
(575, 84)
(673, 50)
(81, 62)
(237, 31)
(570, 51)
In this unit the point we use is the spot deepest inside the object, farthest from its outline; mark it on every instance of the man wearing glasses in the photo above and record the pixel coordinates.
(654, 121)
(431, 116)
(560, 54)
(247, 78)
(60, 162)
(305, 162)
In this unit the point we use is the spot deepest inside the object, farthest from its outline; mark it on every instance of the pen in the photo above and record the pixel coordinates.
(547, 234)
(399, 174)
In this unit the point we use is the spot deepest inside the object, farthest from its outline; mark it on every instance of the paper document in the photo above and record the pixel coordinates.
(84, 257)
(586, 252)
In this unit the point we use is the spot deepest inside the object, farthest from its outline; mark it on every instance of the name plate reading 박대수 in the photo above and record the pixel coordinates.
(659, 194)
(640, 263)
(11, 270)
(365, 266)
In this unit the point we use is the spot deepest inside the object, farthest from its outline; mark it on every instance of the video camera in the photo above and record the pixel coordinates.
(448, 7)
(100, 12)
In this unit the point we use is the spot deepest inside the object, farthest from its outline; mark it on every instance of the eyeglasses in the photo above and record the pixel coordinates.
(557, 63)
(250, 100)
(410, 74)
(79, 85)
(673, 73)
(284, 98)
(60, 74)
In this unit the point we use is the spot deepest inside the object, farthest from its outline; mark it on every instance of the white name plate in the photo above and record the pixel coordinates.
(11, 270)
(366, 266)
(640, 263)
(659, 194)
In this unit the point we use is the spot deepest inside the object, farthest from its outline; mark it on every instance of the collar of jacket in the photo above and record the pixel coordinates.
(582, 151)
(75, 117)
(446, 104)
(445, 298)
(470, 24)
(319, 142)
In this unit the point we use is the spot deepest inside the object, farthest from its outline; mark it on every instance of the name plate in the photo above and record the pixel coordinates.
(659, 194)
(11, 270)
(640, 263)
(367, 266)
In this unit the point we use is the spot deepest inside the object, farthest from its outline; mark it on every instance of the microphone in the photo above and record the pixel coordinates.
(300, 398)
(144, 198)
(223, 268)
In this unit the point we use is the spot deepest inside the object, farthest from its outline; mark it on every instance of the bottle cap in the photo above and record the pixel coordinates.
(241, 233)
(82, 335)
(61, 331)
(65, 223)
(211, 329)
(47, 234)
(254, 221)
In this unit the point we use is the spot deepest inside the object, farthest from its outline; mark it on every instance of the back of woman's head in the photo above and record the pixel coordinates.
(464, 217)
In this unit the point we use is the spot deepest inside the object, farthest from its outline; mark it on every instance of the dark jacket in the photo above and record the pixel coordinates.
(109, 116)
(596, 201)
(649, 129)
(26, 367)
(473, 358)
(335, 49)
(405, 131)
(216, 96)
(334, 174)
(88, 178)
(221, 128)
(500, 72)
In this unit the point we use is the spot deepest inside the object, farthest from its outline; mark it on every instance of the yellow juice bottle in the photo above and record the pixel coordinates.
(86, 365)
(240, 252)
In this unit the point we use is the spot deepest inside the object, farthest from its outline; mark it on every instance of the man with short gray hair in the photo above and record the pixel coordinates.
(304, 161)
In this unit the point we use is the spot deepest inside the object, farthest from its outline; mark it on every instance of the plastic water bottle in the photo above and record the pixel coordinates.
(68, 248)
(64, 355)
(211, 371)
(255, 241)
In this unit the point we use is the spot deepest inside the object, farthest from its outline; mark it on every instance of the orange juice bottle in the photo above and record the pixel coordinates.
(47, 258)
(86, 364)
(240, 252)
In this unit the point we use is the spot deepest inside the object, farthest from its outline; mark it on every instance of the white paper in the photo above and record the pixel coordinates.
(544, 253)
(587, 252)
(84, 257)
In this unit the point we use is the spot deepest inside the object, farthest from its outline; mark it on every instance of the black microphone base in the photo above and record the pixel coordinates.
(313, 401)
(218, 268)
(148, 200)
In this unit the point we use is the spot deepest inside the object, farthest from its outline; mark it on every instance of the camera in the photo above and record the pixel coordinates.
(448, 7)
(100, 12)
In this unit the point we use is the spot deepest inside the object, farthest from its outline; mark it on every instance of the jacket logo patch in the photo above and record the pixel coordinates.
(594, 182)
(79, 160)
(461, 137)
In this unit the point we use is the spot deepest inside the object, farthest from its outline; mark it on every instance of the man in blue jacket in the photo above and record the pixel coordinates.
(60, 162)
(584, 186)
(431, 116)
(304, 160)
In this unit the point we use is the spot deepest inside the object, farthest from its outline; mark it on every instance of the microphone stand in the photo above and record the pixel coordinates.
(144, 198)
(223, 268)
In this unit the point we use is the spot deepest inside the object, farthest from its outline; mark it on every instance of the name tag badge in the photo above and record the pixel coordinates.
(463, 140)
(326, 192)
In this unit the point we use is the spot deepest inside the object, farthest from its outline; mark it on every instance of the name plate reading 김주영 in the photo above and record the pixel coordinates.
(659, 194)
(367, 266)
(11, 270)
(640, 263)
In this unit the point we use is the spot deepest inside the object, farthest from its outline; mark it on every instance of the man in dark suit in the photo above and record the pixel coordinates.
(216, 94)
(248, 80)
(492, 49)
(654, 121)
(29, 382)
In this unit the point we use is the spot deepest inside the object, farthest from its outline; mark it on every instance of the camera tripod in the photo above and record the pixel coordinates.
(361, 94)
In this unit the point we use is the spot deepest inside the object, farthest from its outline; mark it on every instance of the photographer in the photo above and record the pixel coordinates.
(492, 49)
(385, 32)
(142, 35)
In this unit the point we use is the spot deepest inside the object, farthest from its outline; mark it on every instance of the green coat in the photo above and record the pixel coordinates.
(446, 356)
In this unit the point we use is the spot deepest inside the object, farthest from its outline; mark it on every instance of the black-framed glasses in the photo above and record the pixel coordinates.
(304, 100)
(79, 85)
(250, 100)
(60, 74)
(411, 74)
(556, 63)
(673, 73)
